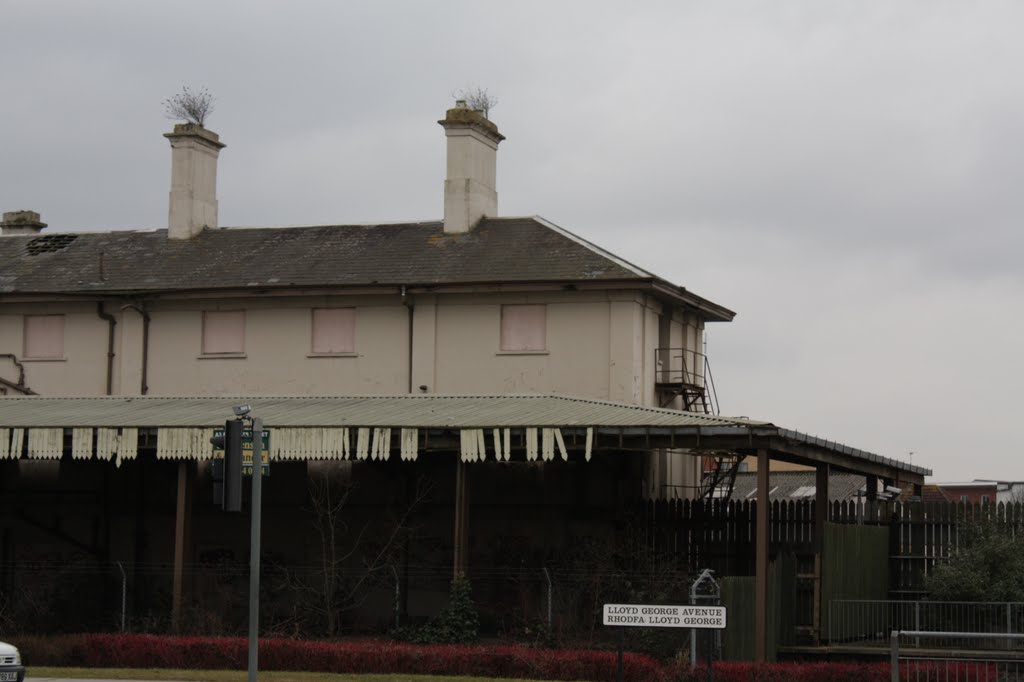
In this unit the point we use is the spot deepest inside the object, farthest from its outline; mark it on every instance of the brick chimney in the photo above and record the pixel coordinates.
(469, 190)
(193, 205)
(20, 222)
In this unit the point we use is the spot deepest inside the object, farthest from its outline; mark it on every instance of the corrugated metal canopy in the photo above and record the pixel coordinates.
(431, 411)
(421, 412)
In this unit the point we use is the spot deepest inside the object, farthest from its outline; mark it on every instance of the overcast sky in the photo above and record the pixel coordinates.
(846, 176)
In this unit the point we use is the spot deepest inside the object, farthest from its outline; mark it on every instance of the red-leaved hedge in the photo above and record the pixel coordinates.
(387, 657)
(363, 656)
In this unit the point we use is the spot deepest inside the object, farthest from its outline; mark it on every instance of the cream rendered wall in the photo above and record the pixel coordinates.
(424, 352)
(277, 358)
(468, 358)
(82, 370)
(128, 358)
(625, 353)
(599, 345)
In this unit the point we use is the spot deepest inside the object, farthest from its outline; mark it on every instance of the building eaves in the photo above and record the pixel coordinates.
(665, 288)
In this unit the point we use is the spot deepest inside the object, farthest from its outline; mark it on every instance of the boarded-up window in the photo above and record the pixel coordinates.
(523, 327)
(223, 332)
(334, 330)
(44, 337)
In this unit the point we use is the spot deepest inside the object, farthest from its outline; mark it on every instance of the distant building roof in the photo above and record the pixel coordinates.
(498, 250)
(798, 485)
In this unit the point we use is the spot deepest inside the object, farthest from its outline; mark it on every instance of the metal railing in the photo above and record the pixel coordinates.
(866, 622)
(938, 661)
(687, 373)
(680, 366)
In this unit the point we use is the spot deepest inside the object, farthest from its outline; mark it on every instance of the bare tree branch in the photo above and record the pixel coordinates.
(190, 106)
(336, 585)
(478, 99)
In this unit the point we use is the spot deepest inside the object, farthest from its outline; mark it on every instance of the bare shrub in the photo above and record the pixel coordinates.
(478, 99)
(190, 106)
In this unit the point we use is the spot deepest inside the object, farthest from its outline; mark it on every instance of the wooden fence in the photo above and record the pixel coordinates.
(900, 545)
(719, 534)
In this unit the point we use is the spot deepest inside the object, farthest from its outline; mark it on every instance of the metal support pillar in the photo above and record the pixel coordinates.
(460, 537)
(821, 509)
(761, 560)
(182, 542)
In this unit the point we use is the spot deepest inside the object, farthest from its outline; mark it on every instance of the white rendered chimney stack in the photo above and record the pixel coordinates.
(17, 223)
(469, 190)
(193, 205)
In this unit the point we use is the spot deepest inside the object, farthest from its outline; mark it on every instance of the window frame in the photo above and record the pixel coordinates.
(508, 349)
(204, 353)
(352, 352)
(26, 331)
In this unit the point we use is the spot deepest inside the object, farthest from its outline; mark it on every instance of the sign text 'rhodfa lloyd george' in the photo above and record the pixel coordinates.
(664, 616)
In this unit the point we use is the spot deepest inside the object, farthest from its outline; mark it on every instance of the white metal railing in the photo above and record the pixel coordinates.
(937, 661)
(866, 622)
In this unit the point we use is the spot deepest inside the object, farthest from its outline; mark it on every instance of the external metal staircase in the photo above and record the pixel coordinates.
(685, 375)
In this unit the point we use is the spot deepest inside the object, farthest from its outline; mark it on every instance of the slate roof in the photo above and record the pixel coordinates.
(498, 250)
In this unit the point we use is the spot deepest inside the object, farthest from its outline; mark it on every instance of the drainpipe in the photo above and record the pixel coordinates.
(141, 310)
(407, 302)
(111, 323)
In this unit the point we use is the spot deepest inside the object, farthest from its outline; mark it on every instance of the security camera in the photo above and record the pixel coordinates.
(242, 410)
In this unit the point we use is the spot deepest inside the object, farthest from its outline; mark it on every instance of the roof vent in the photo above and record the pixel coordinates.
(49, 243)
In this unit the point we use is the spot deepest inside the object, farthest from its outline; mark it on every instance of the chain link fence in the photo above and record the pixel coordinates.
(529, 604)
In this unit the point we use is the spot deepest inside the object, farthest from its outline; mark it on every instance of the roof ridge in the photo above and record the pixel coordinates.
(618, 260)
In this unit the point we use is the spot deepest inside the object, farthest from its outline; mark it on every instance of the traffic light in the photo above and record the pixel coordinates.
(227, 472)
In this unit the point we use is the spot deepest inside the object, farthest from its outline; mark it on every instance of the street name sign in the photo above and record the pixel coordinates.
(665, 616)
(218, 453)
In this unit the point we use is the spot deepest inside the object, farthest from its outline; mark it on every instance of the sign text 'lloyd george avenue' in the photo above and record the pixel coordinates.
(664, 616)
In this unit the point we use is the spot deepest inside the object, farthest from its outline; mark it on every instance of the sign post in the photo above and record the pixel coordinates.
(254, 549)
(704, 589)
(662, 616)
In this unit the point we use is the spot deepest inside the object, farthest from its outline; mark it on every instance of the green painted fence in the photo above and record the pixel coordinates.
(739, 597)
(854, 565)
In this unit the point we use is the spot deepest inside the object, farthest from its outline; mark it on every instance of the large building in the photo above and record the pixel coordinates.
(470, 305)
(473, 339)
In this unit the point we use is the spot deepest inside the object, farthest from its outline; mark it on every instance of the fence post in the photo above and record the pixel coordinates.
(398, 598)
(124, 596)
(894, 656)
(548, 576)
(917, 622)
(1009, 625)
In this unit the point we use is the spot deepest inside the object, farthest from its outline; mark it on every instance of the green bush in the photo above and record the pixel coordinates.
(458, 623)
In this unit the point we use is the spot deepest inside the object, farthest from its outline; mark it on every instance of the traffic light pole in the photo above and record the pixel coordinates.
(254, 547)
